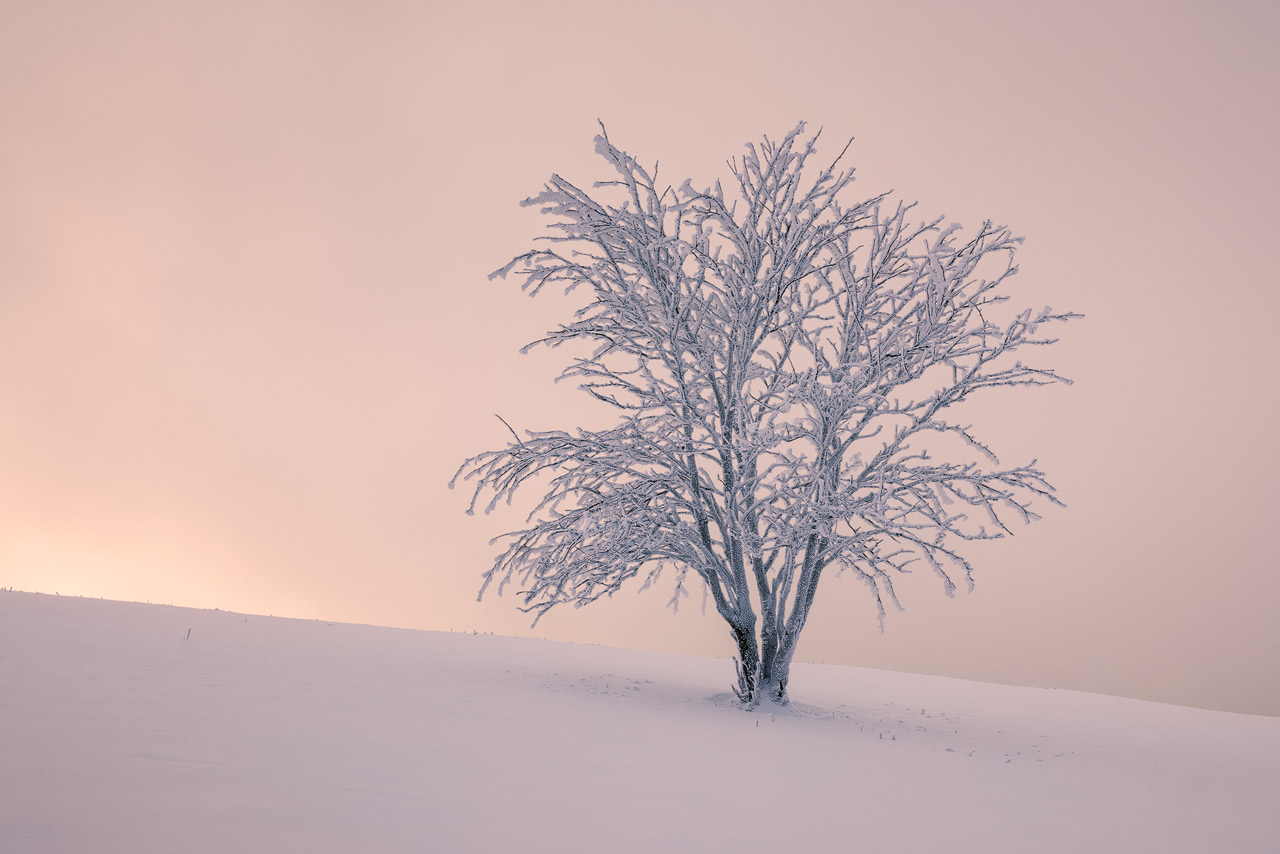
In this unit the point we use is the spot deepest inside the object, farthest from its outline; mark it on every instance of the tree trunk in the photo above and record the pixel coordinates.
(775, 672)
(778, 665)
(748, 664)
(769, 644)
(762, 673)
(764, 665)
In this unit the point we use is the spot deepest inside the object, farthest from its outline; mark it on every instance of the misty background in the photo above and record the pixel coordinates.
(246, 334)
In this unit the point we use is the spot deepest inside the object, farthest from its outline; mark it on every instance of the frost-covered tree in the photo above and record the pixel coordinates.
(781, 362)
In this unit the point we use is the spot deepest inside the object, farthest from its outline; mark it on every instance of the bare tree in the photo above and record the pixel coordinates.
(781, 363)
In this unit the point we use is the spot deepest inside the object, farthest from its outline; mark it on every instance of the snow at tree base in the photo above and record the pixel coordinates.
(782, 363)
(119, 734)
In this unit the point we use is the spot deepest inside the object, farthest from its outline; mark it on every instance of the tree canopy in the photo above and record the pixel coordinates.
(780, 361)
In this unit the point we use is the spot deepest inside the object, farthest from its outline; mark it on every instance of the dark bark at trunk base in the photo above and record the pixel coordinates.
(747, 664)
(761, 679)
(774, 691)
(774, 686)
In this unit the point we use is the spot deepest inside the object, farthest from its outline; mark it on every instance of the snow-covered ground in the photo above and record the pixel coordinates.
(118, 733)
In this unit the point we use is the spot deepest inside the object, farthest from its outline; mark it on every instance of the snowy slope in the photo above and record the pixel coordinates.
(120, 734)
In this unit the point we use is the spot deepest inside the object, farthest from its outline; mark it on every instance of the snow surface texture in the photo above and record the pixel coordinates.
(257, 734)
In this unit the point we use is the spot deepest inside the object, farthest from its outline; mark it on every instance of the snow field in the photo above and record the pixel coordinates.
(118, 733)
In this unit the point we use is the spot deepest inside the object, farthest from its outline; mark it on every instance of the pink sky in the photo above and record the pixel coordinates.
(246, 335)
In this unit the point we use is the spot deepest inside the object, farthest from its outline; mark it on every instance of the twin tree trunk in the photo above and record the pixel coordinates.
(763, 666)
(764, 663)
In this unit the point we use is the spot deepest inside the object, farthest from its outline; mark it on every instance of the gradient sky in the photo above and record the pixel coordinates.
(246, 335)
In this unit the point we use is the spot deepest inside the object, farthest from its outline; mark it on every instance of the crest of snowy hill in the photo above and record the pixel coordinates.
(146, 728)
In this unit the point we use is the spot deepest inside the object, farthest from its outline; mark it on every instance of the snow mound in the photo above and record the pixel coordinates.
(146, 728)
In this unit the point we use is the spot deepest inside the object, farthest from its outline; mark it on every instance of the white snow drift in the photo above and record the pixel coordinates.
(119, 733)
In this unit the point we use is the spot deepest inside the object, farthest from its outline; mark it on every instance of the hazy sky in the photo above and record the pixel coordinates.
(246, 335)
